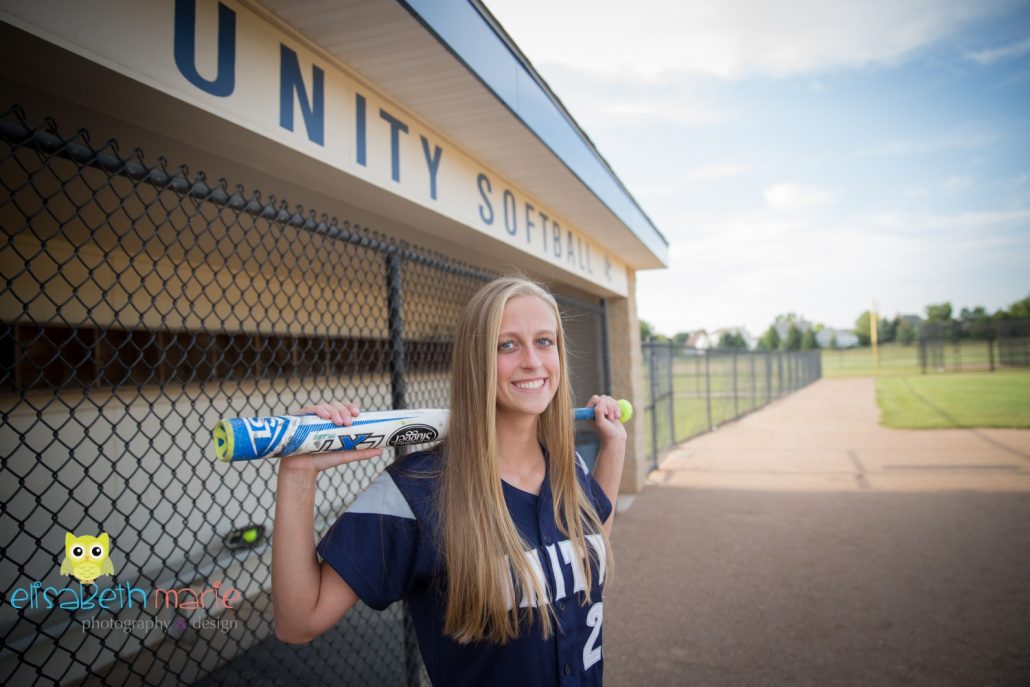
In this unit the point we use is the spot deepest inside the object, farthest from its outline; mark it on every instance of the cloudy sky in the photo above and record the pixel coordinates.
(802, 155)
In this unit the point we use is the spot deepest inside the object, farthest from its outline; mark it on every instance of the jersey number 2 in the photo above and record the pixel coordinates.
(591, 653)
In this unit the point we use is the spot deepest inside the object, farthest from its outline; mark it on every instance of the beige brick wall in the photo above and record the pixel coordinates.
(627, 373)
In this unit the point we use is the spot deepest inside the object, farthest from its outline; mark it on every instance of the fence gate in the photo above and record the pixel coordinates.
(140, 304)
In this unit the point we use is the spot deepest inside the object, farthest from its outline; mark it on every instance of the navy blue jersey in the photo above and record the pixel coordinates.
(385, 547)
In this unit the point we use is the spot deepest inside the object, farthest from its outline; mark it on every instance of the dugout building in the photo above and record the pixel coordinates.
(232, 208)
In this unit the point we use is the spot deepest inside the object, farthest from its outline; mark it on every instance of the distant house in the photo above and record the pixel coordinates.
(845, 338)
(699, 339)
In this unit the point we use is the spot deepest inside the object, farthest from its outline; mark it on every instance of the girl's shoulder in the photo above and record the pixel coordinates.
(417, 477)
(424, 464)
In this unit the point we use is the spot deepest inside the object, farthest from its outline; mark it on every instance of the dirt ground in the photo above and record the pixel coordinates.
(806, 545)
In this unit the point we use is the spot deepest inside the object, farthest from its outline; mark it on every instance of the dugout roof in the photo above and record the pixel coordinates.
(453, 64)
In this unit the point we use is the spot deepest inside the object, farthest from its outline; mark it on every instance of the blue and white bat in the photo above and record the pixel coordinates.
(250, 438)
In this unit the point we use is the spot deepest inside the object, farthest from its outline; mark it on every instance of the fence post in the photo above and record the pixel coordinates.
(708, 389)
(754, 400)
(672, 393)
(396, 324)
(767, 356)
(654, 406)
(395, 319)
(958, 347)
(779, 374)
(697, 374)
(736, 411)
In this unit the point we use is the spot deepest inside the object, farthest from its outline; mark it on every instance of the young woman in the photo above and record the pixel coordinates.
(497, 538)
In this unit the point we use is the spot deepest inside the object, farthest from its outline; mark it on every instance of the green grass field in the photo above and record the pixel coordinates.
(895, 360)
(971, 399)
(898, 360)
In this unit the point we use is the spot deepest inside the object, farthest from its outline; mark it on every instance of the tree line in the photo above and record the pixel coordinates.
(969, 323)
(801, 335)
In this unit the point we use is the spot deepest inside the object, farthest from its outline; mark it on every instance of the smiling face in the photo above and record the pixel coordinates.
(528, 364)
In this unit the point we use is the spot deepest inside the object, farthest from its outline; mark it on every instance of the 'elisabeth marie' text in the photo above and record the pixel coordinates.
(121, 596)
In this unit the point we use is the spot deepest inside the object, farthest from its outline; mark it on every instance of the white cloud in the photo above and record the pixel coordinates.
(600, 104)
(660, 108)
(730, 39)
(986, 57)
(790, 196)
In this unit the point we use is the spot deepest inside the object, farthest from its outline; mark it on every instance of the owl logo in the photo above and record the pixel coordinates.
(87, 558)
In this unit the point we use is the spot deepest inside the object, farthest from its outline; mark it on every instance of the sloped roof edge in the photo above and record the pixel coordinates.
(475, 38)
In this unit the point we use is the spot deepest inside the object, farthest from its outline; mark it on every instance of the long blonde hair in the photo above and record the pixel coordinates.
(479, 539)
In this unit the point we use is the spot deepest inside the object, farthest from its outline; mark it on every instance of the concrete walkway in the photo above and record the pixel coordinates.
(806, 545)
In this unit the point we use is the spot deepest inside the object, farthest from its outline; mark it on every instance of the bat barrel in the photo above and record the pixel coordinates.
(239, 439)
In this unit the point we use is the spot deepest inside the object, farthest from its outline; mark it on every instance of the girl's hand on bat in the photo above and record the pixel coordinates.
(606, 419)
(340, 413)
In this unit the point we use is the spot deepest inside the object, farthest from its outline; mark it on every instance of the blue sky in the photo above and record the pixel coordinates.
(804, 156)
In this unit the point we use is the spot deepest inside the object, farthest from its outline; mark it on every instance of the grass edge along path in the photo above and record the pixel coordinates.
(967, 400)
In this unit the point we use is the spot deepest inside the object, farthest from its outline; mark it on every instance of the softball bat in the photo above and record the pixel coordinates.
(250, 438)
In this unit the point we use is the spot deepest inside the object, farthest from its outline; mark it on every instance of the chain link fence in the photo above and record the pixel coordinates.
(691, 391)
(974, 345)
(140, 303)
